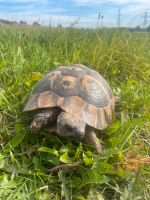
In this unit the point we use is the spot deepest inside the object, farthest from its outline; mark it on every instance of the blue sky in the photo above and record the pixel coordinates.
(65, 12)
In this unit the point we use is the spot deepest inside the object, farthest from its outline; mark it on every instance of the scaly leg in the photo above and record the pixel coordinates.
(91, 139)
(44, 119)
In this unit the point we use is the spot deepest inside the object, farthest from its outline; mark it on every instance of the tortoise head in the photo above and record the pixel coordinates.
(70, 126)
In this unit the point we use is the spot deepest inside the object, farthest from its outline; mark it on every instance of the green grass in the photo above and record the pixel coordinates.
(123, 58)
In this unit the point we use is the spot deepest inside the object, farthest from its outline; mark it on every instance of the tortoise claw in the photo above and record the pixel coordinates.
(35, 127)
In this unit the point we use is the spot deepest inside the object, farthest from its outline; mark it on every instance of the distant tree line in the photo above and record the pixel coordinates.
(133, 29)
(7, 22)
(137, 29)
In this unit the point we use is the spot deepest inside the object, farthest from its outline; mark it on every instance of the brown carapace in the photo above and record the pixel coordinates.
(77, 90)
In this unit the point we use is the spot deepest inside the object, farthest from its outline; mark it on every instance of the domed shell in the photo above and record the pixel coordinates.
(78, 90)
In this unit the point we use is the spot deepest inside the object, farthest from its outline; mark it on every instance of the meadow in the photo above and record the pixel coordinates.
(122, 170)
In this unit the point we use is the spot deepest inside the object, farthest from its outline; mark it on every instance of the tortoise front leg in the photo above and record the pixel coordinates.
(91, 139)
(44, 119)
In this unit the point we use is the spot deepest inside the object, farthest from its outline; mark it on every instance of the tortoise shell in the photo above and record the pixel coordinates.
(75, 89)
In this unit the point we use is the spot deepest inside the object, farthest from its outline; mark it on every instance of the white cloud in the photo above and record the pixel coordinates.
(111, 1)
(25, 1)
(83, 2)
(32, 7)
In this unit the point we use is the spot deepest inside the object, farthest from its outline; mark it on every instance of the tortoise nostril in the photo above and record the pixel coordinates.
(69, 128)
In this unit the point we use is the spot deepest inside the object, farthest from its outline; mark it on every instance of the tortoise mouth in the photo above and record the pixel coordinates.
(73, 136)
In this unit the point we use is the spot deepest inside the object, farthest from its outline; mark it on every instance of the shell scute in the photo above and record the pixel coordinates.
(73, 104)
(92, 92)
(42, 86)
(47, 99)
(32, 102)
(66, 86)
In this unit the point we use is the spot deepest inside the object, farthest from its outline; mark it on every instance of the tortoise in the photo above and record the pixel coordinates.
(72, 101)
